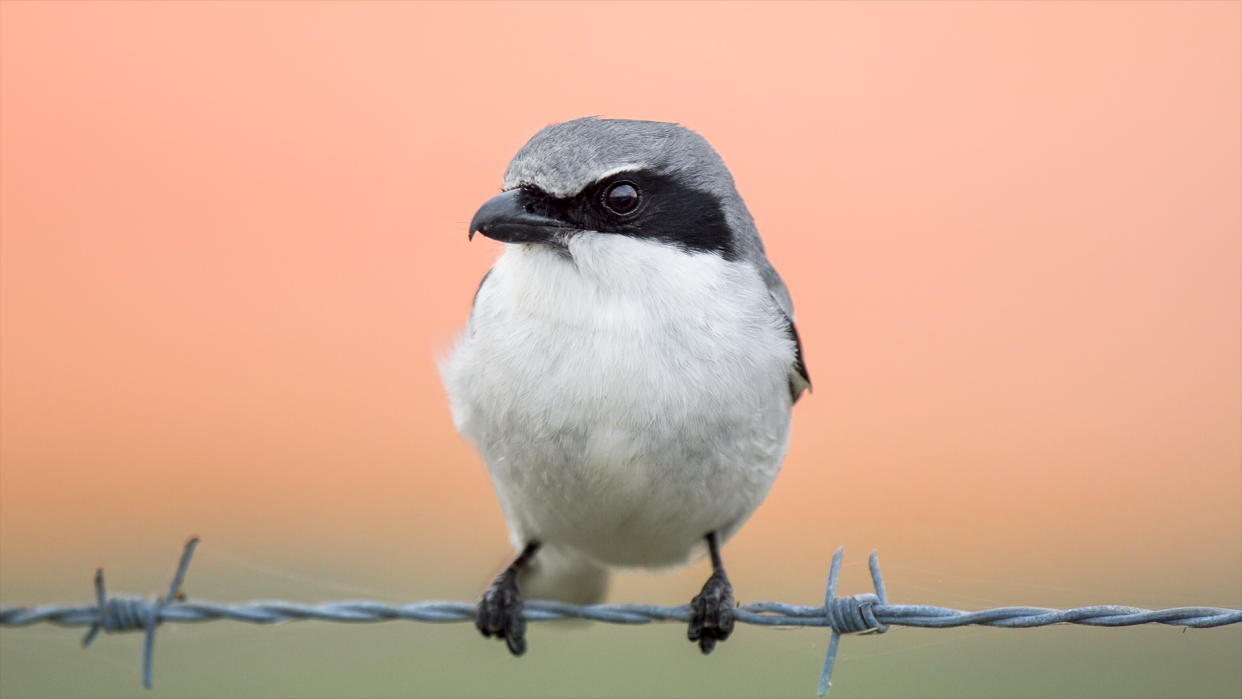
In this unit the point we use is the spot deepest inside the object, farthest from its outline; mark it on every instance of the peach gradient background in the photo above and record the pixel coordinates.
(233, 242)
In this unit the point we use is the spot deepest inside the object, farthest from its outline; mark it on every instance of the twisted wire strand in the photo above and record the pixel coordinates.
(758, 614)
(858, 613)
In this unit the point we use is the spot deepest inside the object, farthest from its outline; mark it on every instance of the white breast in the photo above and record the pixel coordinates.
(627, 397)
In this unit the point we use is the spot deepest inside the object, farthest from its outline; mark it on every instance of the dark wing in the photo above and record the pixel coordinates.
(476, 291)
(799, 379)
(475, 300)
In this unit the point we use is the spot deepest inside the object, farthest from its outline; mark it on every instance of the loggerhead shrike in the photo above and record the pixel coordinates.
(628, 368)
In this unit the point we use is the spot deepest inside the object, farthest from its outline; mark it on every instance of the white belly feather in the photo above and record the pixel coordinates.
(628, 398)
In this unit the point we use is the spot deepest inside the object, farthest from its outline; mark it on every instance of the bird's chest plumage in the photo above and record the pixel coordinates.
(627, 399)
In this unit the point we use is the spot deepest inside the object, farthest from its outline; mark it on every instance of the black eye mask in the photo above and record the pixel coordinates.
(641, 205)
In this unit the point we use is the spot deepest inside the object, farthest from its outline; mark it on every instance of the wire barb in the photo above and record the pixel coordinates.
(130, 612)
(850, 614)
(865, 613)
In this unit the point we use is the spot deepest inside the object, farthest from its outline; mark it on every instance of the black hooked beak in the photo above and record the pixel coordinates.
(506, 218)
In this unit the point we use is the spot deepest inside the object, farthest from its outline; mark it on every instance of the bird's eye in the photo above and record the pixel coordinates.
(621, 198)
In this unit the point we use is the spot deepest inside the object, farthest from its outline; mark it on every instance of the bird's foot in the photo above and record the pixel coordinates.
(500, 612)
(711, 613)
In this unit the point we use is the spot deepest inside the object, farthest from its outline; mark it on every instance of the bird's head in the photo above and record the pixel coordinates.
(643, 179)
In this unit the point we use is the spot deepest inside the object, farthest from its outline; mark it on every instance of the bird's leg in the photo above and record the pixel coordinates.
(711, 612)
(500, 608)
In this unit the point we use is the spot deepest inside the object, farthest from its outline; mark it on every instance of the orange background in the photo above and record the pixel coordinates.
(233, 243)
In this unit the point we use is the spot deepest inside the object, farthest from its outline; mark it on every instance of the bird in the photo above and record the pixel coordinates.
(628, 368)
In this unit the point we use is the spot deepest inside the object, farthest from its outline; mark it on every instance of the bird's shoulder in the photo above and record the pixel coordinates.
(799, 377)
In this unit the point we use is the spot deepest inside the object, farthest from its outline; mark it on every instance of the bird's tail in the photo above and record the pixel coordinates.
(563, 575)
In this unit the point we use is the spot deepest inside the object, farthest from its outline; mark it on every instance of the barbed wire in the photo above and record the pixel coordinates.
(863, 613)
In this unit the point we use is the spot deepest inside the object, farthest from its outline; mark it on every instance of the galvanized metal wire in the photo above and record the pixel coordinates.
(865, 613)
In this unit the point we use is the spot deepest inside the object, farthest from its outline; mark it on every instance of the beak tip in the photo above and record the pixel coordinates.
(505, 219)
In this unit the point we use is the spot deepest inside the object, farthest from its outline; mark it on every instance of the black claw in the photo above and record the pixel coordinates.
(500, 613)
(711, 613)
